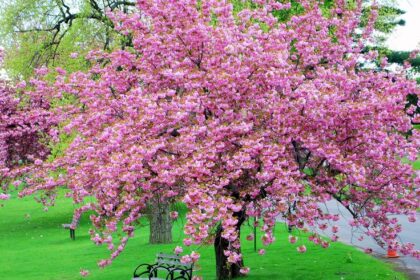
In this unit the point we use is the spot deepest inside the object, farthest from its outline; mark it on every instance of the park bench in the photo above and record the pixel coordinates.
(72, 229)
(166, 267)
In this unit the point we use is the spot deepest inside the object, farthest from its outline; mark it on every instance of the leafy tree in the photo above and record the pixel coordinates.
(401, 56)
(388, 19)
(238, 115)
(47, 32)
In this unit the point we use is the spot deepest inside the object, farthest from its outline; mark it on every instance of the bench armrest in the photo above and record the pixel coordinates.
(143, 268)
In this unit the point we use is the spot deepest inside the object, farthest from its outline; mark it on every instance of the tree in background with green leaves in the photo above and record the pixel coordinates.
(46, 32)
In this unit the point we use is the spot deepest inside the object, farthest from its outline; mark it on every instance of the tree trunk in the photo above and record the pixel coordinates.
(160, 222)
(225, 270)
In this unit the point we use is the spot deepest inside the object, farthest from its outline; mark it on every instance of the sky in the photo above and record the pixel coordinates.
(406, 38)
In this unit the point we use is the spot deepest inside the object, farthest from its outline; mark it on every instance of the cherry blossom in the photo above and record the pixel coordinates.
(26, 126)
(301, 249)
(238, 115)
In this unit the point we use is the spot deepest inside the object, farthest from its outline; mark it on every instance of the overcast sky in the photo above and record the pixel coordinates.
(406, 38)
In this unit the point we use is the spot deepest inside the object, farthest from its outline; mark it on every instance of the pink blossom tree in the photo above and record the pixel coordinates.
(238, 115)
(25, 123)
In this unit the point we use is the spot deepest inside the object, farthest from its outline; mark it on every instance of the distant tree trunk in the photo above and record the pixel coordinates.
(224, 270)
(160, 222)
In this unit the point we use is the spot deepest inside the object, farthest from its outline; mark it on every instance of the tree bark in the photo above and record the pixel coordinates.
(224, 270)
(160, 222)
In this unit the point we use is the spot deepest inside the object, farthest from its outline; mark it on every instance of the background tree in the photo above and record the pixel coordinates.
(36, 33)
(239, 116)
(389, 17)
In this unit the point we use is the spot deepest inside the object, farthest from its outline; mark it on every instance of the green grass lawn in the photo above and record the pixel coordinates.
(416, 165)
(34, 246)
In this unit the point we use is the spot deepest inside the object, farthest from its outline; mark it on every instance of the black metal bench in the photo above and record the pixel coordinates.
(166, 267)
(72, 229)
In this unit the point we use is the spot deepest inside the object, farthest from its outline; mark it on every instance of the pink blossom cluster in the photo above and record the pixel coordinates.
(236, 113)
(26, 126)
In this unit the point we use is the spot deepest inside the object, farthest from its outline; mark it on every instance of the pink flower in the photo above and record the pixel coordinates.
(84, 272)
(4, 196)
(60, 71)
(104, 263)
(261, 252)
(194, 256)
(301, 249)
(174, 214)
(412, 218)
(368, 250)
(250, 237)
(21, 85)
(178, 250)
(353, 223)
(17, 183)
(414, 54)
(244, 270)
(187, 241)
(234, 257)
(186, 259)
(323, 226)
(74, 55)
(267, 239)
(293, 239)
(42, 71)
(38, 162)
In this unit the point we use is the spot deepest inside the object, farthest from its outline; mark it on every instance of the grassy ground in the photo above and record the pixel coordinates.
(416, 165)
(34, 246)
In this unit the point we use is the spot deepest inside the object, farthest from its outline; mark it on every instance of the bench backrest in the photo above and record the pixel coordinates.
(171, 260)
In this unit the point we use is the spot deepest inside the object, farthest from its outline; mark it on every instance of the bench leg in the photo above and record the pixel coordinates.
(72, 234)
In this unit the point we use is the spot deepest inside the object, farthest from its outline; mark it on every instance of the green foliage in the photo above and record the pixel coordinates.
(239, 5)
(60, 147)
(388, 18)
(285, 15)
(388, 14)
(46, 32)
(401, 56)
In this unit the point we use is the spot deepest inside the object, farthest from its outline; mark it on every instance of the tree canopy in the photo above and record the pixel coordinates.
(238, 115)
